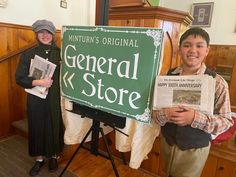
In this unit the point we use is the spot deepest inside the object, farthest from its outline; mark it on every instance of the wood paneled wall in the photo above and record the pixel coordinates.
(222, 58)
(13, 39)
(12, 97)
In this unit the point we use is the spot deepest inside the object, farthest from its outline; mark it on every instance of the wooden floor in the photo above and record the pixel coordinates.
(86, 164)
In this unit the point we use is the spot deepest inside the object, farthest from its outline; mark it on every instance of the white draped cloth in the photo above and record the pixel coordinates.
(76, 127)
(139, 142)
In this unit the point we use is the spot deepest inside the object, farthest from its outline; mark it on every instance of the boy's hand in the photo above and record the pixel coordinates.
(180, 115)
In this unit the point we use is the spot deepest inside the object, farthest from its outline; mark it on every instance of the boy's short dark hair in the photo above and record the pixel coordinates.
(195, 31)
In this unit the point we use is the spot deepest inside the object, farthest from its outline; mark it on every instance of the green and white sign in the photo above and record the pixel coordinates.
(111, 68)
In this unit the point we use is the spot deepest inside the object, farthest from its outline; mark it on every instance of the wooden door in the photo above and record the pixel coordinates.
(210, 167)
(225, 168)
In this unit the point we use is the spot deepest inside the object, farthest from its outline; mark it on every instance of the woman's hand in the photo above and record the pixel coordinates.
(46, 82)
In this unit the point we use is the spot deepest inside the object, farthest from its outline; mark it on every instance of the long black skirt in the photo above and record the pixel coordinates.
(45, 132)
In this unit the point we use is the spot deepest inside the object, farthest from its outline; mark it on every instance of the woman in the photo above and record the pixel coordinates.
(44, 115)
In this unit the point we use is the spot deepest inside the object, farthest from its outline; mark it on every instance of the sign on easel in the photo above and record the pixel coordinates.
(112, 69)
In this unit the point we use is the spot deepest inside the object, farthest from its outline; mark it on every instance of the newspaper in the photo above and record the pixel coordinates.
(194, 91)
(40, 68)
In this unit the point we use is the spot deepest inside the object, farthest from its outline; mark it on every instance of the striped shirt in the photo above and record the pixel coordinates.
(221, 119)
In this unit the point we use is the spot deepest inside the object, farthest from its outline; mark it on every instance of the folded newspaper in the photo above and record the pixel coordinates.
(195, 91)
(40, 68)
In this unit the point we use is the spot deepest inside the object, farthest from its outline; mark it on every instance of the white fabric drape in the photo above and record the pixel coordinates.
(139, 142)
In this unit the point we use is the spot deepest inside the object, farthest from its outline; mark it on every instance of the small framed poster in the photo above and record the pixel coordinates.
(63, 4)
(202, 14)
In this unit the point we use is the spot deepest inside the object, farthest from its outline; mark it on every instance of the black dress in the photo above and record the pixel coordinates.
(44, 115)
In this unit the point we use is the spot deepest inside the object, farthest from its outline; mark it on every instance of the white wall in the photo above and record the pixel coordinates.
(25, 12)
(82, 12)
(223, 24)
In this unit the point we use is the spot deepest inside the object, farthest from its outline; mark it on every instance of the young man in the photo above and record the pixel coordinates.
(187, 132)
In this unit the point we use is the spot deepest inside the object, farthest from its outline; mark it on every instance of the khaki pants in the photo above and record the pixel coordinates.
(188, 163)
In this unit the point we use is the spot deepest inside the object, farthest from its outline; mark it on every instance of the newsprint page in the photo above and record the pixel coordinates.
(195, 91)
(40, 68)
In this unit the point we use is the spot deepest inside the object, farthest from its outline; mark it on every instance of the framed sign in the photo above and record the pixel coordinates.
(202, 14)
(63, 4)
(111, 69)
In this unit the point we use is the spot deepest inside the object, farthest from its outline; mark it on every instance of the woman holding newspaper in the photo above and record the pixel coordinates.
(38, 72)
(187, 132)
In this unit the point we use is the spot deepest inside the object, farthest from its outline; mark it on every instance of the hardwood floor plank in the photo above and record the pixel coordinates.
(86, 164)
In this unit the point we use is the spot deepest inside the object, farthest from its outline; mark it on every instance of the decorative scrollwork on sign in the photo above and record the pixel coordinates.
(145, 117)
(156, 35)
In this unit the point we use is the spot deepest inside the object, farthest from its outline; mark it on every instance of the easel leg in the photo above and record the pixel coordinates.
(109, 152)
(80, 145)
(95, 128)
